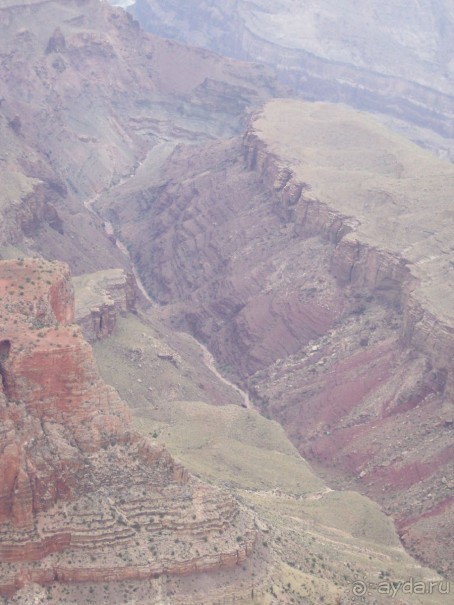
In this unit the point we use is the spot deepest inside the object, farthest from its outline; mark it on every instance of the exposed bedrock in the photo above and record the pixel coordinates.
(323, 287)
(85, 95)
(83, 497)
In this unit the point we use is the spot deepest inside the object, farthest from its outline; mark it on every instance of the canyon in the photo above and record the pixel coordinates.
(96, 510)
(310, 272)
(85, 96)
(226, 329)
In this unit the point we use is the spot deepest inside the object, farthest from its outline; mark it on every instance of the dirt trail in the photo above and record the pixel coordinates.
(211, 365)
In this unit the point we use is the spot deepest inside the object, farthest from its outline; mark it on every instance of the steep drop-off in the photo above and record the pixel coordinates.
(313, 257)
(83, 497)
(100, 298)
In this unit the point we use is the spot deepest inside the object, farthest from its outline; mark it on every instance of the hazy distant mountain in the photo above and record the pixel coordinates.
(389, 56)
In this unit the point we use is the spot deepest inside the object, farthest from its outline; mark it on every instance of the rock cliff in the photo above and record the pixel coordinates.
(84, 498)
(100, 297)
(317, 269)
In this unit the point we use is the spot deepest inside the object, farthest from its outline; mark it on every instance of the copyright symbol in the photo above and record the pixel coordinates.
(359, 588)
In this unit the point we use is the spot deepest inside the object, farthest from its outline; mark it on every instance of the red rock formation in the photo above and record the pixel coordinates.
(75, 478)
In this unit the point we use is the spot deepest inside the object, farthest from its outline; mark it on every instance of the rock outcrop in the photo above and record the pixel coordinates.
(83, 498)
(100, 297)
(317, 270)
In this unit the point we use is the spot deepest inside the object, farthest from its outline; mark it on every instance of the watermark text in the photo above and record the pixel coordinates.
(394, 588)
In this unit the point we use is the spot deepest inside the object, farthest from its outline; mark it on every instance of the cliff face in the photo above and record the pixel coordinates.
(389, 57)
(315, 286)
(84, 498)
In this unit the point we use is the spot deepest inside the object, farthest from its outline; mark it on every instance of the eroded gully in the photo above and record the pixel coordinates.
(207, 357)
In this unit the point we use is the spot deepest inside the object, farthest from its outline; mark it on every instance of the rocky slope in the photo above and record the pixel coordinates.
(84, 95)
(321, 539)
(251, 262)
(314, 259)
(389, 57)
(84, 498)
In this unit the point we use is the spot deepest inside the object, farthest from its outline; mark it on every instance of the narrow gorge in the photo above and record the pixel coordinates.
(286, 260)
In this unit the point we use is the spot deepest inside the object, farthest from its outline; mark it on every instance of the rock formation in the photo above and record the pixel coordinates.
(317, 270)
(100, 297)
(83, 498)
(340, 330)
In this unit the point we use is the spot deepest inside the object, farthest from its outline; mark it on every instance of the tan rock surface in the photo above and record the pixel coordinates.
(398, 197)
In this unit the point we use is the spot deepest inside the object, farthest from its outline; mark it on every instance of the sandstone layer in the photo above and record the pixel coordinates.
(84, 498)
(313, 257)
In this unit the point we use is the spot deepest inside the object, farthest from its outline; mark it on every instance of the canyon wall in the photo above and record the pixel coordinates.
(85, 94)
(84, 498)
(310, 259)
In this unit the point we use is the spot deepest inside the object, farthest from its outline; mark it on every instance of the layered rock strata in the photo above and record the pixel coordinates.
(317, 269)
(83, 498)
